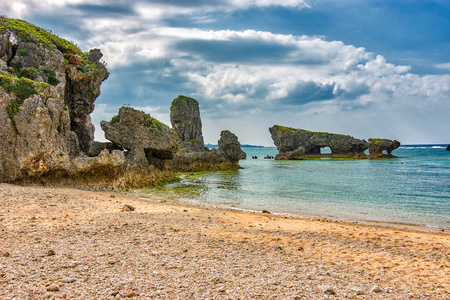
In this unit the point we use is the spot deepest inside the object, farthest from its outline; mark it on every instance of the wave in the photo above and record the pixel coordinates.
(423, 147)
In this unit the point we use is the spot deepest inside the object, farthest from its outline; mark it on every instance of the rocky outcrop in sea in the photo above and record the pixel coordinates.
(296, 144)
(48, 87)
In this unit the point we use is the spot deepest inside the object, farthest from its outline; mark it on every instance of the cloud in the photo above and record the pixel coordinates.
(257, 74)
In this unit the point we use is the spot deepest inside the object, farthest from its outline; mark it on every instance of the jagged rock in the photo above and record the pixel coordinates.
(44, 108)
(185, 119)
(291, 155)
(96, 147)
(448, 148)
(148, 141)
(289, 139)
(377, 146)
(230, 146)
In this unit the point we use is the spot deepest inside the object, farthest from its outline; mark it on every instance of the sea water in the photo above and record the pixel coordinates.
(413, 188)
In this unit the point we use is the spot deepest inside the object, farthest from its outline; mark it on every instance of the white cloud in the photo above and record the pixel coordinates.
(445, 66)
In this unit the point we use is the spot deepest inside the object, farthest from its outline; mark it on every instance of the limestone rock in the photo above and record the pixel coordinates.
(148, 141)
(297, 154)
(289, 139)
(230, 146)
(185, 119)
(45, 105)
(377, 146)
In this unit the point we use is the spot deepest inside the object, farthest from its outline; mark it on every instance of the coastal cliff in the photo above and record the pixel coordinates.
(48, 87)
(296, 144)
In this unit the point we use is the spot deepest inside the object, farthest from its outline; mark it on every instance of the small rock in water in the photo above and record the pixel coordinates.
(50, 252)
(128, 207)
(266, 212)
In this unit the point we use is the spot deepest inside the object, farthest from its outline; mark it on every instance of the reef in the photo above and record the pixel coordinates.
(296, 144)
(48, 87)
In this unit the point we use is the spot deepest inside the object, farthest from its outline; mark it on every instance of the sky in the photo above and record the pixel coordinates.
(372, 68)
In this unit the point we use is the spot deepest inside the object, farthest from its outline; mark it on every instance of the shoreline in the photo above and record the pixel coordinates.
(68, 243)
(394, 224)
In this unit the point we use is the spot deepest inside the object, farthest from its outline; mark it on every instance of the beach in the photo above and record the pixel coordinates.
(62, 243)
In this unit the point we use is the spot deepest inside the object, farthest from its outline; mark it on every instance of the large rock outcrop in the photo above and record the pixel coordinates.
(186, 121)
(48, 87)
(377, 146)
(193, 155)
(290, 141)
(295, 144)
(47, 90)
(148, 141)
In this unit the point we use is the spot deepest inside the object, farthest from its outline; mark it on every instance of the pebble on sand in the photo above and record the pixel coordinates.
(128, 207)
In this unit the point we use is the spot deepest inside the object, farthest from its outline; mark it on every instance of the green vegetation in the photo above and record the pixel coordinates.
(181, 97)
(194, 141)
(61, 154)
(114, 120)
(22, 52)
(51, 76)
(375, 141)
(29, 72)
(21, 87)
(27, 32)
(81, 69)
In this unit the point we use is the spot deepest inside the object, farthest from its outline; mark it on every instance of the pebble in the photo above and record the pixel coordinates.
(68, 280)
(50, 252)
(53, 288)
(376, 289)
(6, 254)
(330, 291)
(127, 208)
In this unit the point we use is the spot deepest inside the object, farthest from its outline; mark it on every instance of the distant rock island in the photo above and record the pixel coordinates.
(48, 87)
(297, 144)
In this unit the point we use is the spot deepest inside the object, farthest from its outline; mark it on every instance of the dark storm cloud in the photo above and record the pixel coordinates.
(235, 51)
(104, 10)
(306, 92)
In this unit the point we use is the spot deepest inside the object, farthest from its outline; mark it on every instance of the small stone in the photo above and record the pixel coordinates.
(50, 252)
(279, 248)
(185, 210)
(6, 254)
(330, 291)
(376, 289)
(53, 288)
(128, 207)
(130, 294)
(301, 248)
(265, 212)
(68, 280)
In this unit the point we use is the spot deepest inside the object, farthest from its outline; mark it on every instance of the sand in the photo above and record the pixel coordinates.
(61, 243)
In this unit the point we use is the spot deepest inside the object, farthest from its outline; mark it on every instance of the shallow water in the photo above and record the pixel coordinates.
(413, 188)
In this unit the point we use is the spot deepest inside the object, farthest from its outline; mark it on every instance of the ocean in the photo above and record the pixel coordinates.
(411, 189)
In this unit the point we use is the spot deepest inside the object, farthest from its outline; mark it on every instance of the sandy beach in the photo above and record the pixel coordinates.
(61, 243)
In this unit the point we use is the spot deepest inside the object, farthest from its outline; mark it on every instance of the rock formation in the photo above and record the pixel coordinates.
(295, 144)
(148, 141)
(193, 155)
(291, 142)
(185, 119)
(48, 87)
(448, 148)
(377, 146)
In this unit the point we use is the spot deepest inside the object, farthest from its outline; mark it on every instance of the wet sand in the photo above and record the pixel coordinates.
(60, 243)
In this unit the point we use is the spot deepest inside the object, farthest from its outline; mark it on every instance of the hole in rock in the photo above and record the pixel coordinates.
(325, 150)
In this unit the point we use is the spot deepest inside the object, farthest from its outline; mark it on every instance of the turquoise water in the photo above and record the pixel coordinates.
(413, 188)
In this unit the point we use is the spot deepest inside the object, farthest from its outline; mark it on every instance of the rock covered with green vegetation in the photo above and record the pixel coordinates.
(186, 121)
(378, 146)
(290, 141)
(147, 140)
(47, 90)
